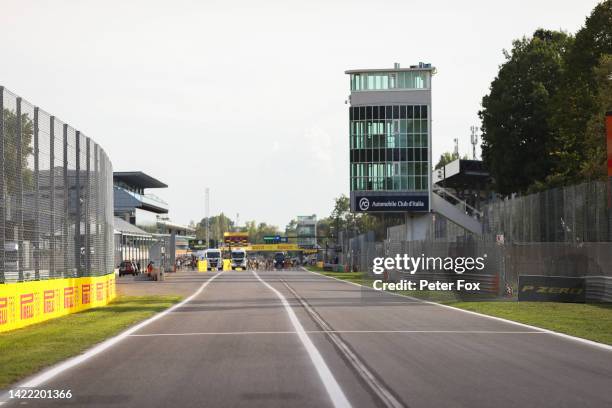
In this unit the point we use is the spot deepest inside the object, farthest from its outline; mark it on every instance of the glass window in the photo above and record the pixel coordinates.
(419, 83)
(402, 80)
(410, 112)
(411, 185)
(424, 126)
(392, 80)
(385, 82)
(370, 81)
(377, 82)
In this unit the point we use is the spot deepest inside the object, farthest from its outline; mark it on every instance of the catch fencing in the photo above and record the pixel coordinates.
(560, 232)
(56, 206)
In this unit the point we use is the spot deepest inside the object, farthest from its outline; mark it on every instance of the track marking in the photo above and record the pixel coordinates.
(499, 319)
(329, 381)
(380, 389)
(339, 332)
(60, 368)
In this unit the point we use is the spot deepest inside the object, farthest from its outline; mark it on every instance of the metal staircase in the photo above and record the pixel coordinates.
(456, 210)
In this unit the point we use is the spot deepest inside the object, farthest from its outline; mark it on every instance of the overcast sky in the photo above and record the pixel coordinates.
(247, 97)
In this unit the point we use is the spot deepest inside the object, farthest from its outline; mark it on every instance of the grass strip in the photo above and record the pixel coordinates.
(26, 351)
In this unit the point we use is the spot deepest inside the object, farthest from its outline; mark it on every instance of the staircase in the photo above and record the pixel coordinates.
(456, 210)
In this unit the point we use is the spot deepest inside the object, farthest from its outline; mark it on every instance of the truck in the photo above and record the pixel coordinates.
(239, 259)
(214, 260)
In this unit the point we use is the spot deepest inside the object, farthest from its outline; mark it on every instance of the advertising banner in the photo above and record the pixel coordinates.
(25, 303)
(536, 288)
(396, 203)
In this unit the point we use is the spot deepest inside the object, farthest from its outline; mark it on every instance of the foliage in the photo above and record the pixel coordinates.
(218, 224)
(446, 158)
(579, 108)
(258, 231)
(516, 131)
(543, 119)
(13, 163)
(40, 345)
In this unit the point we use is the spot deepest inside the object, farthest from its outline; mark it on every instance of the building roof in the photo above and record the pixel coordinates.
(138, 179)
(420, 67)
(123, 227)
(172, 226)
(461, 173)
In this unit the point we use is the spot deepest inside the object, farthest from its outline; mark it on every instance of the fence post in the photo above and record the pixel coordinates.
(52, 271)
(19, 192)
(2, 189)
(36, 198)
(77, 203)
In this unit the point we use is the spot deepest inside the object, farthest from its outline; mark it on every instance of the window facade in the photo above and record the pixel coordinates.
(389, 148)
(375, 81)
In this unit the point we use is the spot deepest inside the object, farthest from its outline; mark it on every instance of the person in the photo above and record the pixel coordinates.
(150, 267)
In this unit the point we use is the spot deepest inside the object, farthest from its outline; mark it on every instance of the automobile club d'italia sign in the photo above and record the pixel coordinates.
(392, 203)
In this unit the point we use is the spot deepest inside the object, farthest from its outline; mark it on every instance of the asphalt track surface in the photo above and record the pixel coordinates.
(235, 344)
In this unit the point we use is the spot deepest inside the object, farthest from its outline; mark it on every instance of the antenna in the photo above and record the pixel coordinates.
(456, 151)
(474, 140)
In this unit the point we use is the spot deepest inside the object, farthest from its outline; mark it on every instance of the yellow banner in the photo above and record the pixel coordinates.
(26, 303)
(274, 247)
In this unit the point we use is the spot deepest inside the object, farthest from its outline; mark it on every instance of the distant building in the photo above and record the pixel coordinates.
(132, 203)
(306, 231)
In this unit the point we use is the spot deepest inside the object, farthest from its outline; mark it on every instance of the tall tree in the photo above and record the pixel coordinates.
(578, 104)
(517, 136)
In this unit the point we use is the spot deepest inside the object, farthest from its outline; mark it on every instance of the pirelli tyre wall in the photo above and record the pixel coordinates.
(56, 216)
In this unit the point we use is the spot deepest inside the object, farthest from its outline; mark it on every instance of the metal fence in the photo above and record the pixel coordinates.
(56, 208)
(570, 214)
(559, 232)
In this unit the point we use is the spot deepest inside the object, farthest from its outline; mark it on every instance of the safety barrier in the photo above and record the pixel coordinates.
(26, 303)
(202, 265)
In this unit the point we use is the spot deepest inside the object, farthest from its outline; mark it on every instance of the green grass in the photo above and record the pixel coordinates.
(28, 350)
(589, 321)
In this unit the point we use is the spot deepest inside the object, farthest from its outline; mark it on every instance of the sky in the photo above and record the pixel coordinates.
(247, 98)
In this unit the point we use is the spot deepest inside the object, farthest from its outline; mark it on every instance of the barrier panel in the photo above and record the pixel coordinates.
(536, 288)
(26, 303)
(202, 266)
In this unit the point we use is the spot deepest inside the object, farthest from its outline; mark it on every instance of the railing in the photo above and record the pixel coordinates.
(462, 204)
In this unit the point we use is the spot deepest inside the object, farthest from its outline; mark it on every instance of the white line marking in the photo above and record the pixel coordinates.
(329, 381)
(383, 393)
(499, 319)
(338, 331)
(59, 368)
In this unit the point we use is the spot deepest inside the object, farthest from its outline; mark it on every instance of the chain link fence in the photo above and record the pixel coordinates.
(560, 232)
(56, 208)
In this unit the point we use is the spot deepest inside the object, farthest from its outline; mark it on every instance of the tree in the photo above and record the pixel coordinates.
(594, 164)
(12, 161)
(446, 158)
(218, 225)
(517, 136)
(578, 104)
(291, 228)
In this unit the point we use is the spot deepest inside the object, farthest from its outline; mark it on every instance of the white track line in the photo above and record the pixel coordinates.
(499, 319)
(338, 331)
(327, 378)
(59, 368)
